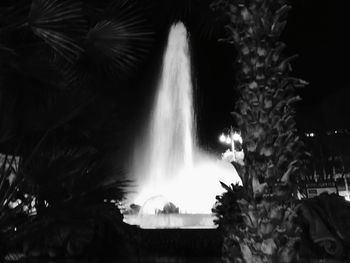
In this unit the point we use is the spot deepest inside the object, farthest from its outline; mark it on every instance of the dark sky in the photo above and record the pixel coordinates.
(316, 31)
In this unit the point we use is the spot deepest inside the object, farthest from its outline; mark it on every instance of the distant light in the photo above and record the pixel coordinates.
(340, 131)
(228, 140)
(311, 134)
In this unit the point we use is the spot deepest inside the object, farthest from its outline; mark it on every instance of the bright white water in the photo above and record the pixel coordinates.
(169, 165)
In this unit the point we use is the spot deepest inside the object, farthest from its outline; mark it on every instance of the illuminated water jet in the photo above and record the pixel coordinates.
(169, 164)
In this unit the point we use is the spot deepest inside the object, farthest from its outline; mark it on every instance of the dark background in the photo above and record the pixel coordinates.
(316, 31)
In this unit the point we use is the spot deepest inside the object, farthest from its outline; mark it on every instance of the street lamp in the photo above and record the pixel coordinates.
(225, 139)
(234, 139)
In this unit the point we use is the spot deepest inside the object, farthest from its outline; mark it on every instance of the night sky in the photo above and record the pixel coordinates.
(315, 31)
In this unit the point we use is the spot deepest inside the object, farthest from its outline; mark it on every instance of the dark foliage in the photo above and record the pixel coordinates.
(227, 209)
(59, 60)
(229, 216)
(75, 202)
(60, 57)
(16, 205)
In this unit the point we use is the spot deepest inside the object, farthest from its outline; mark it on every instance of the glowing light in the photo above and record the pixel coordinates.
(225, 139)
(311, 134)
(229, 139)
(237, 137)
(222, 138)
(193, 190)
(15, 203)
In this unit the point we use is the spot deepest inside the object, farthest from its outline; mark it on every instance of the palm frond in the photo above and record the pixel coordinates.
(58, 23)
(120, 40)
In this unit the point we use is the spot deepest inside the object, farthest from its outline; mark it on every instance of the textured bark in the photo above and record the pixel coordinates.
(264, 115)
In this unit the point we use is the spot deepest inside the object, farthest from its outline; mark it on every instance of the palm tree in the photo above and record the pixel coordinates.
(264, 230)
(58, 61)
(67, 51)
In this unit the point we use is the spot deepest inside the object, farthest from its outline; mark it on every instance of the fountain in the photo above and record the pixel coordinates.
(169, 166)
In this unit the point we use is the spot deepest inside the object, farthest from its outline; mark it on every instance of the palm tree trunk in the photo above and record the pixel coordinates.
(265, 116)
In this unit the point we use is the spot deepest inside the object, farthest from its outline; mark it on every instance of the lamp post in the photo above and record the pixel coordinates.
(234, 140)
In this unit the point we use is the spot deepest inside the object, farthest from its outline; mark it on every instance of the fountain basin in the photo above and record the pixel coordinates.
(198, 221)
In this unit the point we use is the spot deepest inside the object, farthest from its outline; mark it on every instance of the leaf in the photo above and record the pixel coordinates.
(277, 28)
(118, 42)
(226, 187)
(62, 44)
(258, 188)
(266, 228)
(257, 131)
(263, 117)
(286, 175)
(262, 51)
(242, 202)
(253, 85)
(267, 151)
(285, 63)
(246, 15)
(251, 145)
(57, 23)
(5, 49)
(268, 246)
(234, 35)
(276, 53)
(238, 117)
(293, 100)
(246, 252)
(299, 83)
(281, 12)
